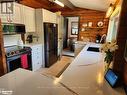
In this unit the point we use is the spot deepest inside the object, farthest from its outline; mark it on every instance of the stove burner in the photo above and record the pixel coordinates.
(16, 50)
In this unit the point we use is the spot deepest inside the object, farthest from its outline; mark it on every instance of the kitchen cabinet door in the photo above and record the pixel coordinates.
(60, 23)
(18, 13)
(29, 18)
(36, 57)
(49, 16)
(3, 15)
(15, 17)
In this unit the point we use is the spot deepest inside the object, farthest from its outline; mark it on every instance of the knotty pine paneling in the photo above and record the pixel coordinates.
(87, 15)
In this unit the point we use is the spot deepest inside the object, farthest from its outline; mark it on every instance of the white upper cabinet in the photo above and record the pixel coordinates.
(49, 16)
(14, 17)
(29, 18)
(18, 13)
(21, 15)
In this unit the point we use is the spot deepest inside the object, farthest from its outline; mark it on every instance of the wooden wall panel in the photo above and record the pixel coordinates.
(87, 15)
(3, 68)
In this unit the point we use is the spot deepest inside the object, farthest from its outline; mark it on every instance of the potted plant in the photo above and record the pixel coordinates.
(109, 48)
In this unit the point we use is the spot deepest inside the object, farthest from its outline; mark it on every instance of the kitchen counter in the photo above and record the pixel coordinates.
(84, 76)
(81, 42)
(23, 82)
(32, 44)
(79, 45)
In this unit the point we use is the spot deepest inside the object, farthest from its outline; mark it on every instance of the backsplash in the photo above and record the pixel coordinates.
(10, 40)
(35, 37)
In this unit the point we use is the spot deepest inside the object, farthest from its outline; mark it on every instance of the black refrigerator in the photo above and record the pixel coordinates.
(50, 43)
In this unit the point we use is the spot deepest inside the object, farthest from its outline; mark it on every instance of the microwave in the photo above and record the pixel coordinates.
(13, 28)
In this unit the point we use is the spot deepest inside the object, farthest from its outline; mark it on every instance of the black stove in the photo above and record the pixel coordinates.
(16, 50)
(14, 57)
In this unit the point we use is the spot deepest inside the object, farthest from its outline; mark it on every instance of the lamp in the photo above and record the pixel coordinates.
(110, 11)
(59, 3)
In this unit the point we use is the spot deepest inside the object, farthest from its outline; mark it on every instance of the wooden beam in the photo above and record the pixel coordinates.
(36, 3)
(3, 66)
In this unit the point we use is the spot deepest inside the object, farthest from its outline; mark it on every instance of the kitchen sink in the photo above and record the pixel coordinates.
(93, 49)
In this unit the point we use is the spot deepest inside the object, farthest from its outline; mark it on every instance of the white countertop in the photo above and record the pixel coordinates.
(32, 44)
(83, 77)
(81, 42)
(23, 82)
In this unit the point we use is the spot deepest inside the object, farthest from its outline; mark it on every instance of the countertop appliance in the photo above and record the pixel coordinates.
(11, 28)
(13, 57)
(51, 43)
(29, 38)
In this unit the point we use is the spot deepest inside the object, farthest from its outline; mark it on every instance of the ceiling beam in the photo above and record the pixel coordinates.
(35, 3)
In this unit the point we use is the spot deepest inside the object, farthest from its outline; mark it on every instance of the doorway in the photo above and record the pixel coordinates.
(70, 36)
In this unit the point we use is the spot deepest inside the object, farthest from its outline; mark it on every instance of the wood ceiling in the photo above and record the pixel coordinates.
(47, 5)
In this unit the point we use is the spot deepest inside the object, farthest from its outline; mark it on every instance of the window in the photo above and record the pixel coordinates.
(74, 28)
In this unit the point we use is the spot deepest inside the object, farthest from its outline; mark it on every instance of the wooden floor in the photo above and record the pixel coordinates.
(64, 60)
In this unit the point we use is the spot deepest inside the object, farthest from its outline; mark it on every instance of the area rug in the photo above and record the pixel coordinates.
(57, 69)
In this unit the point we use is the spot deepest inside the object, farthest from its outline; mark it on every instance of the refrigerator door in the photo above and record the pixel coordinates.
(51, 58)
(50, 39)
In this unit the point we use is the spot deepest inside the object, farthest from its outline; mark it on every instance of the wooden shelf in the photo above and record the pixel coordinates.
(93, 27)
(89, 28)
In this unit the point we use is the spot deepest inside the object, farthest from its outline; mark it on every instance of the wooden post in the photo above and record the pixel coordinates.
(119, 61)
(3, 66)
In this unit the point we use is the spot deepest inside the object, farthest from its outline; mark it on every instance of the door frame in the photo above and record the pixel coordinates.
(66, 29)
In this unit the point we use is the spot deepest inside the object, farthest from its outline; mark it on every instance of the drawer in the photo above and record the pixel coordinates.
(36, 65)
(35, 49)
(38, 47)
(37, 52)
(36, 55)
(35, 58)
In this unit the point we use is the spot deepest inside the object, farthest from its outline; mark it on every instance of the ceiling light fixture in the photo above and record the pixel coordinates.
(110, 11)
(59, 3)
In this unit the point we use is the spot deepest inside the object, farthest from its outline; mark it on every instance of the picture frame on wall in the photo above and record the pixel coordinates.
(74, 28)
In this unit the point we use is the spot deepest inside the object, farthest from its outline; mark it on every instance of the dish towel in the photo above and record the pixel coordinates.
(24, 61)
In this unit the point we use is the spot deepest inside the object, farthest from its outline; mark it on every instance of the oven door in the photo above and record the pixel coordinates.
(13, 63)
